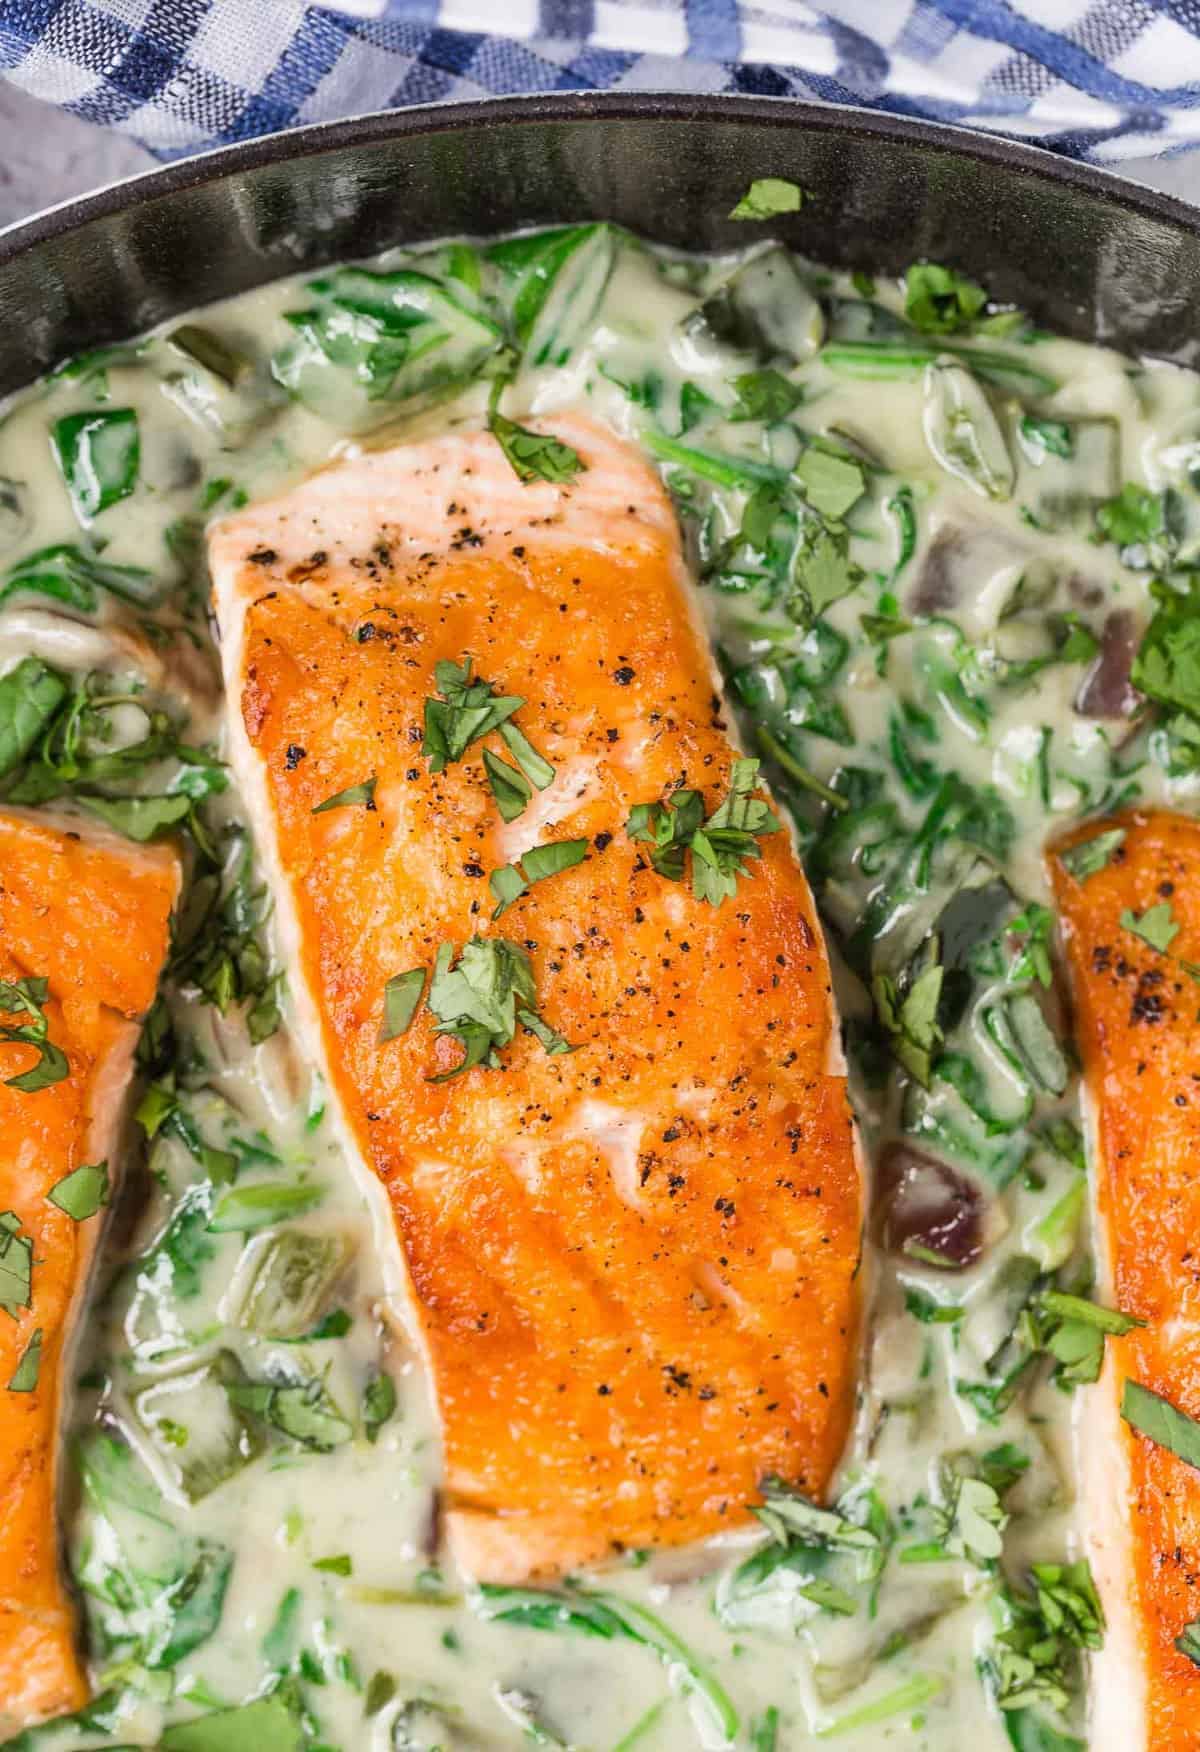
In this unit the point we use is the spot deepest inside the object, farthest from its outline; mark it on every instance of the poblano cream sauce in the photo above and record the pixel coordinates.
(923, 535)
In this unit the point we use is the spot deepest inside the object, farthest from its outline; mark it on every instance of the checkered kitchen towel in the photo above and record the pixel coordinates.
(1098, 78)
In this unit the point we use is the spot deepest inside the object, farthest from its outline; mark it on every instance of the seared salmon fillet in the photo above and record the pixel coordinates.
(632, 1266)
(89, 915)
(1139, 1035)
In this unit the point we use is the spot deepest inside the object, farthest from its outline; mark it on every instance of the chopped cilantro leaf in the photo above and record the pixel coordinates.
(765, 395)
(513, 880)
(401, 1001)
(1090, 856)
(82, 1192)
(510, 788)
(941, 301)
(25, 1375)
(480, 999)
(767, 197)
(1188, 1641)
(832, 484)
(466, 710)
(1167, 665)
(537, 770)
(1156, 926)
(16, 1265)
(719, 844)
(1155, 1417)
(354, 796)
(911, 1019)
(28, 997)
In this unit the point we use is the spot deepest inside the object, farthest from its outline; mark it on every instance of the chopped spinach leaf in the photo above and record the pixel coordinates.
(535, 456)
(16, 1266)
(73, 577)
(911, 1019)
(99, 456)
(30, 696)
(219, 947)
(300, 1410)
(609, 1616)
(258, 1204)
(267, 1725)
(1055, 436)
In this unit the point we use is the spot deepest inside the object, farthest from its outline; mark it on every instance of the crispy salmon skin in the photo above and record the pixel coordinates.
(632, 1267)
(88, 915)
(1139, 1035)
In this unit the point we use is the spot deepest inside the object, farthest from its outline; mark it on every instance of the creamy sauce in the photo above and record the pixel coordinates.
(975, 545)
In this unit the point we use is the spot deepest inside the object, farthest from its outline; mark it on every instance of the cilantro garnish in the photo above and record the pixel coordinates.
(401, 1000)
(767, 197)
(482, 998)
(941, 301)
(1167, 665)
(1035, 1662)
(354, 796)
(911, 1019)
(765, 395)
(1188, 1641)
(28, 997)
(25, 1375)
(1076, 1340)
(510, 789)
(1155, 1417)
(824, 573)
(832, 484)
(1091, 856)
(1135, 522)
(468, 709)
(16, 1265)
(720, 843)
(82, 1192)
(513, 880)
(1156, 926)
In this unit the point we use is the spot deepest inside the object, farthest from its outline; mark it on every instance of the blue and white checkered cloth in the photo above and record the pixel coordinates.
(1097, 78)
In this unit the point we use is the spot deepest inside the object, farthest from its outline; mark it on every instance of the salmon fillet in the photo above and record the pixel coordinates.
(1139, 1035)
(631, 1267)
(89, 915)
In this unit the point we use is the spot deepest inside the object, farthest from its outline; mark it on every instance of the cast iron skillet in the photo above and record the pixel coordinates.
(1082, 251)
